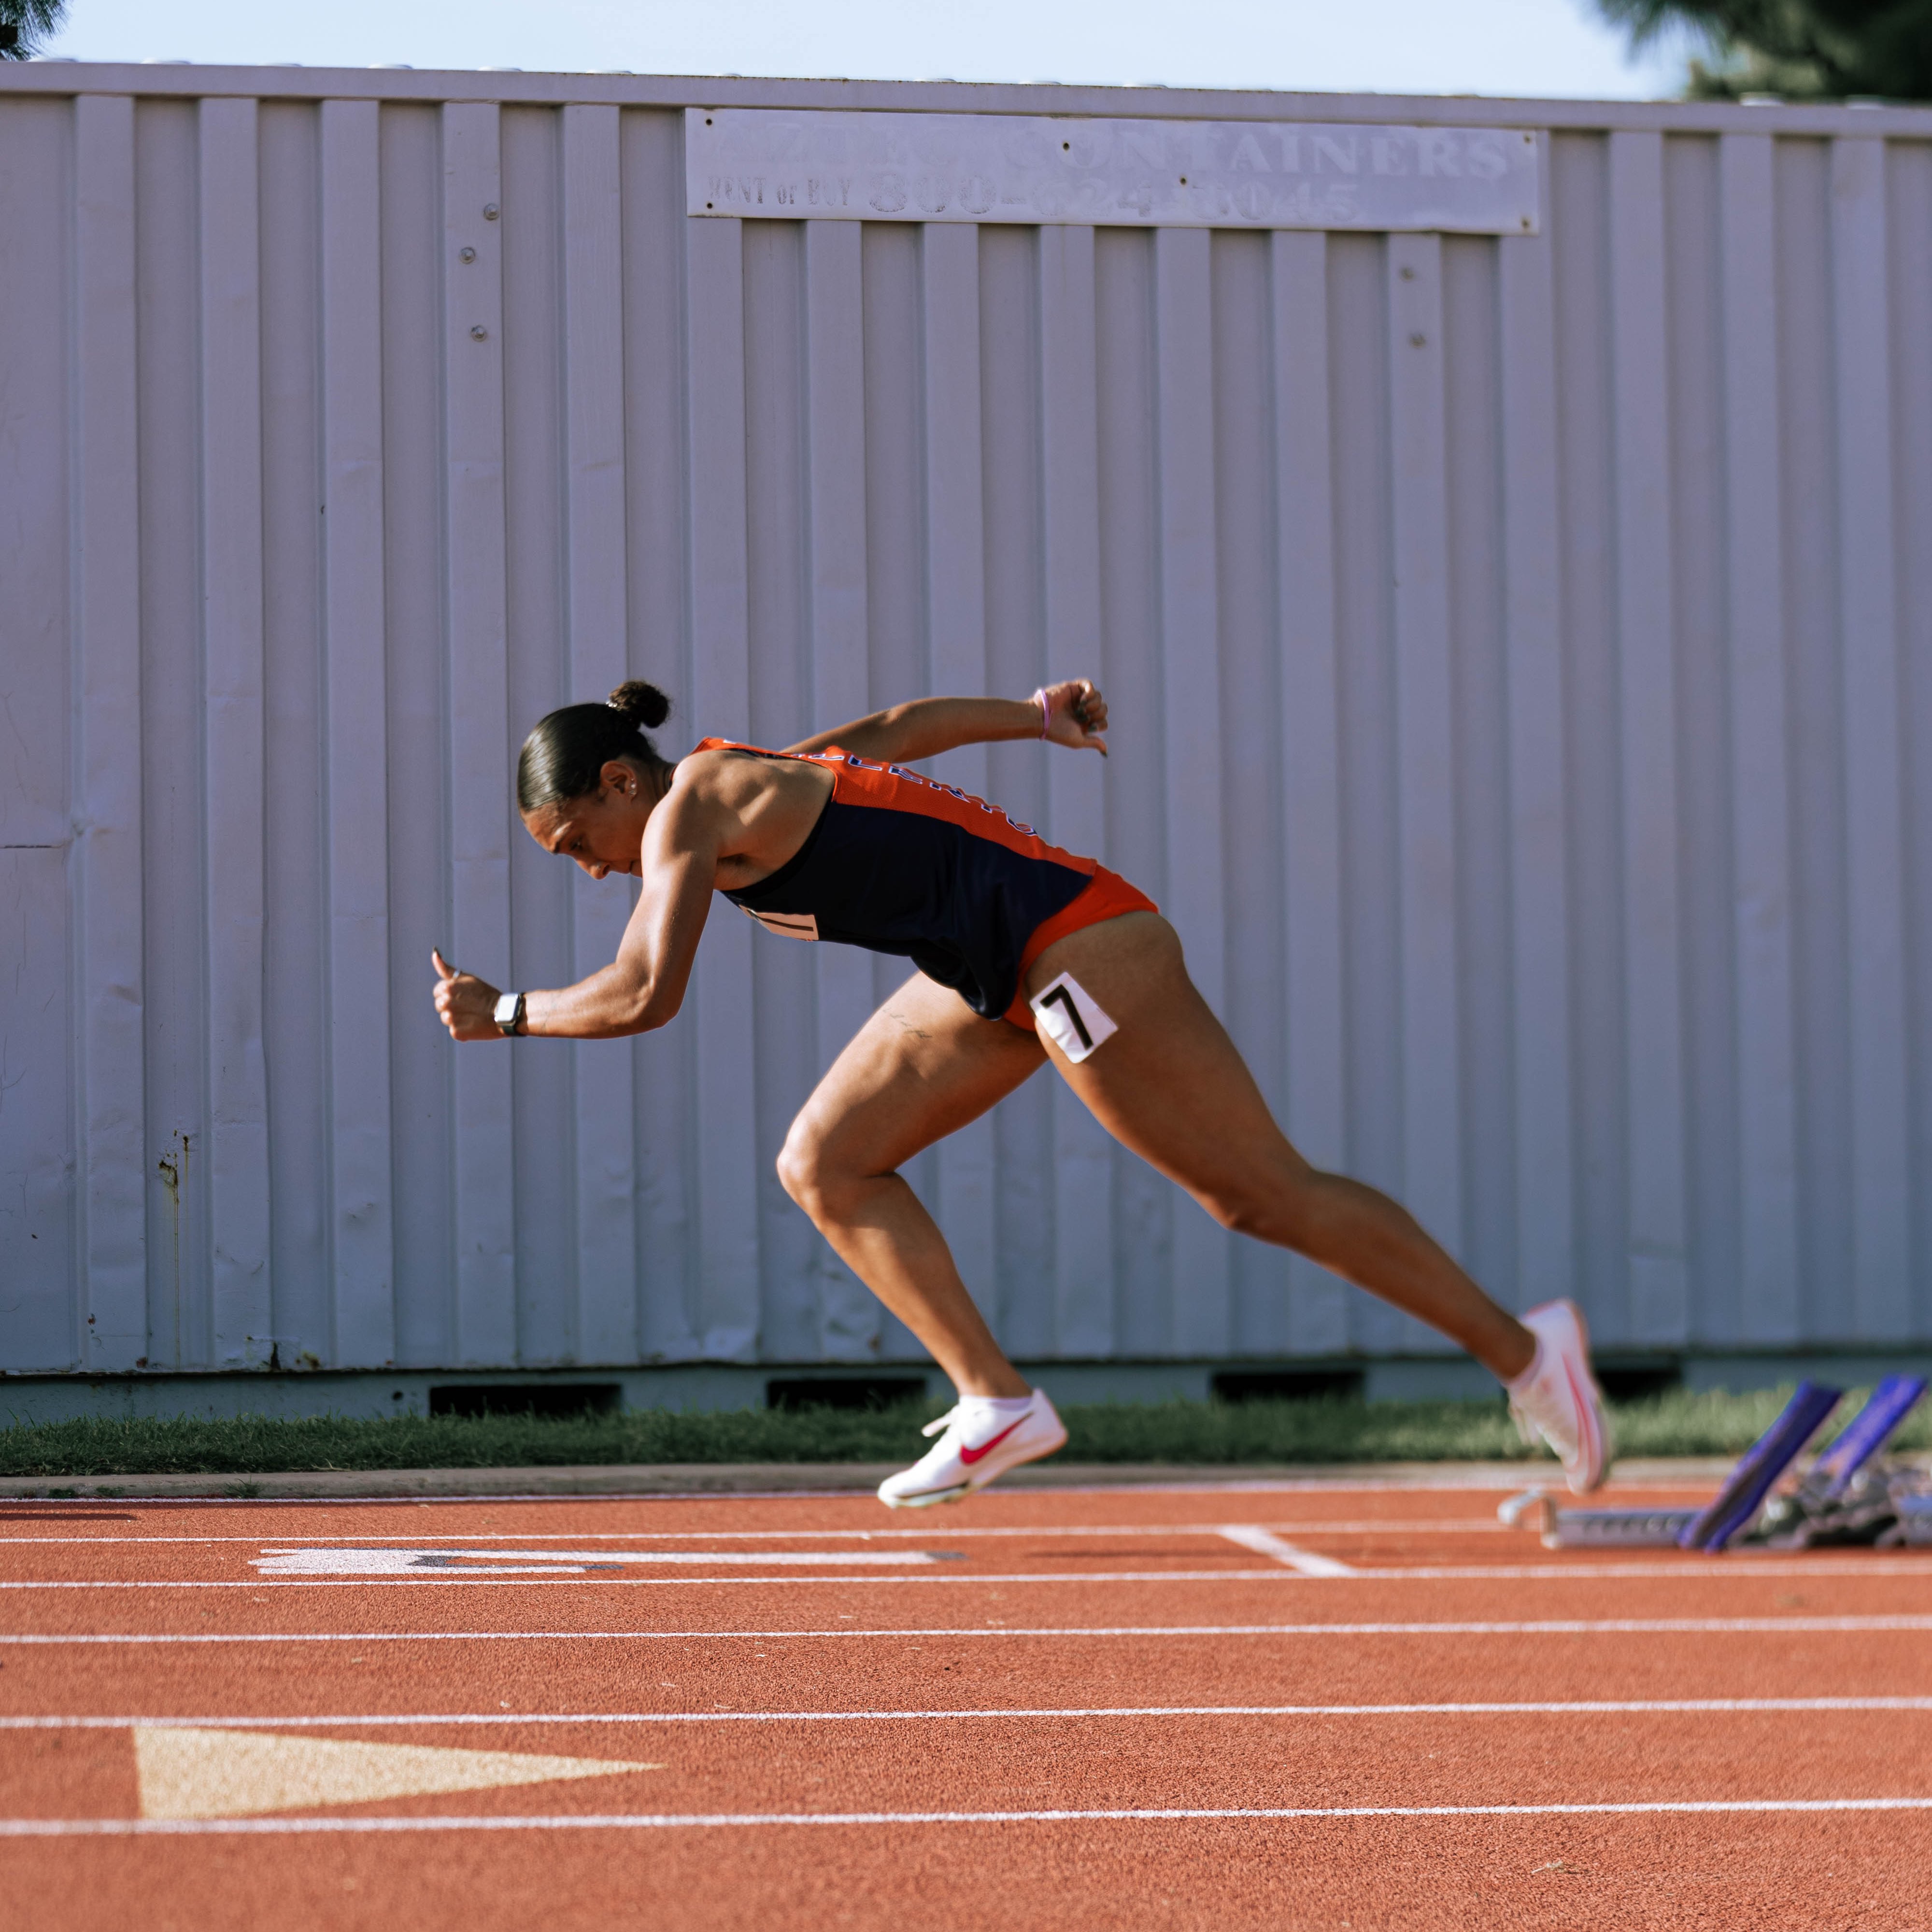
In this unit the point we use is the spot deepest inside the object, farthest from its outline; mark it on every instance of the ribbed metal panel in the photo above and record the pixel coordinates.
(1521, 653)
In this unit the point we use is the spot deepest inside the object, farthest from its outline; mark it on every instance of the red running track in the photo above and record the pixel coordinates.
(1284, 1706)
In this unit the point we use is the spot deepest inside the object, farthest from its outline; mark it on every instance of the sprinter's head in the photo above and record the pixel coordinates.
(587, 777)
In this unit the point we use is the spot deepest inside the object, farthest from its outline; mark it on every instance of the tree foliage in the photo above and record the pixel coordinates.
(1805, 50)
(26, 26)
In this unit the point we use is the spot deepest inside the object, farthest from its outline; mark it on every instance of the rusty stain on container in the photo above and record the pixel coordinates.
(173, 1171)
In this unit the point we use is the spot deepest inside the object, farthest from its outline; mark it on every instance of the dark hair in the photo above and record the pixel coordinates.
(563, 757)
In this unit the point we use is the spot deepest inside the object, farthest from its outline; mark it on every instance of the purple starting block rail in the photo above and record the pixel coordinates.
(1864, 1436)
(1773, 1452)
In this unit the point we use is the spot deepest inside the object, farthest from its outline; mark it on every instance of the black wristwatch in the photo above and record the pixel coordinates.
(509, 1015)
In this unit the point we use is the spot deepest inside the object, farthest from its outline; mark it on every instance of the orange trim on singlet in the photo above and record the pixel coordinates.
(857, 781)
(1107, 896)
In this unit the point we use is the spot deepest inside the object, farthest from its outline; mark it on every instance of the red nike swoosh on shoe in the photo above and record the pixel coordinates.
(969, 1457)
(1587, 1409)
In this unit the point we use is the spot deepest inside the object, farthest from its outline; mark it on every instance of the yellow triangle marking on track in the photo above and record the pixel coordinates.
(215, 1774)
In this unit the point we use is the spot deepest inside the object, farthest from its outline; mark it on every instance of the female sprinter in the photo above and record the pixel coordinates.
(1027, 955)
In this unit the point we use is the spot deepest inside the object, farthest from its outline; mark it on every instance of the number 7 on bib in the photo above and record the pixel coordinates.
(1071, 1017)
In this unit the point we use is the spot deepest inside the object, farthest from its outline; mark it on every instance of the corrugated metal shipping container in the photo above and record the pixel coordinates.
(1520, 649)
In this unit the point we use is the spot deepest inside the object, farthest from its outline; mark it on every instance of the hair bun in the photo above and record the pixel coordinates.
(644, 704)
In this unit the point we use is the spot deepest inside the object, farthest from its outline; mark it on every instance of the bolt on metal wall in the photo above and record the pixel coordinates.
(1520, 650)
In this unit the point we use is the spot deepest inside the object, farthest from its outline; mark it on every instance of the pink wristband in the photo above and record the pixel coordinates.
(1046, 715)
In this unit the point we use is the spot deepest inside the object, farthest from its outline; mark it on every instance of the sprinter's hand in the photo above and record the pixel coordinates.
(1076, 715)
(464, 1003)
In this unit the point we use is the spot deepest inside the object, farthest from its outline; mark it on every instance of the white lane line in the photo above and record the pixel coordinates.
(1597, 1708)
(1741, 1564)
(1742, 1569)
(1488, 1525)
(1543, 1627)
(474, 1580)
(143, 1828)
(1454, 1482)
(1266, 1543)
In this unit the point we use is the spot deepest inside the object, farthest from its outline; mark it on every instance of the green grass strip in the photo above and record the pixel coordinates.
(1209, 1434)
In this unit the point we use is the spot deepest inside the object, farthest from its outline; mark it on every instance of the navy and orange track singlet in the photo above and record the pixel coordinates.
(900, 863)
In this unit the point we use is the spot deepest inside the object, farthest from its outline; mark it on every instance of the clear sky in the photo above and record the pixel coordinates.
(1526, 47)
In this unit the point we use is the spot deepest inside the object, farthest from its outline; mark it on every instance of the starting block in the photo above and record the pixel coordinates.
(1844, 1499)
(1736, 1504)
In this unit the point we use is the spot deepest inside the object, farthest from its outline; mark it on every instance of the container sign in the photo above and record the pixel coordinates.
(760, 164)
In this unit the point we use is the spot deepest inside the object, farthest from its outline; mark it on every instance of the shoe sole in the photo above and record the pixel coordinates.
(929, 1498)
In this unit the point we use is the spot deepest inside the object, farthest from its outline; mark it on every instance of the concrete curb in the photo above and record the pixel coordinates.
(715, 1479)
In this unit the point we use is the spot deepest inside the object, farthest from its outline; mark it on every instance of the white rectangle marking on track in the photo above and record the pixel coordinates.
(1266, 1543)
(1546, 1627)
(172, 1828)
(1600, 1708)
(329, 1560)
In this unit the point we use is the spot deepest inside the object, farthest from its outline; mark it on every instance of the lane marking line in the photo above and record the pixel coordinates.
(1547, 1627)
(1266, 1543)
(526, 1580)
(1628, 1707)
(1741, 1569)
(1488, 1525)
(1461, 1483)
(128, 1828)
(1739, 1565)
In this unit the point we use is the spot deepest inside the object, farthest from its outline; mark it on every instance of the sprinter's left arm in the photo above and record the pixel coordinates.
(1075, 716)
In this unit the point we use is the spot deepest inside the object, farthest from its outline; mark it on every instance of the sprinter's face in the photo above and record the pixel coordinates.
(603, 831)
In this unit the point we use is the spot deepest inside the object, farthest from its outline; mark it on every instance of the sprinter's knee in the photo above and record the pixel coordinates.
(810, 1172)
